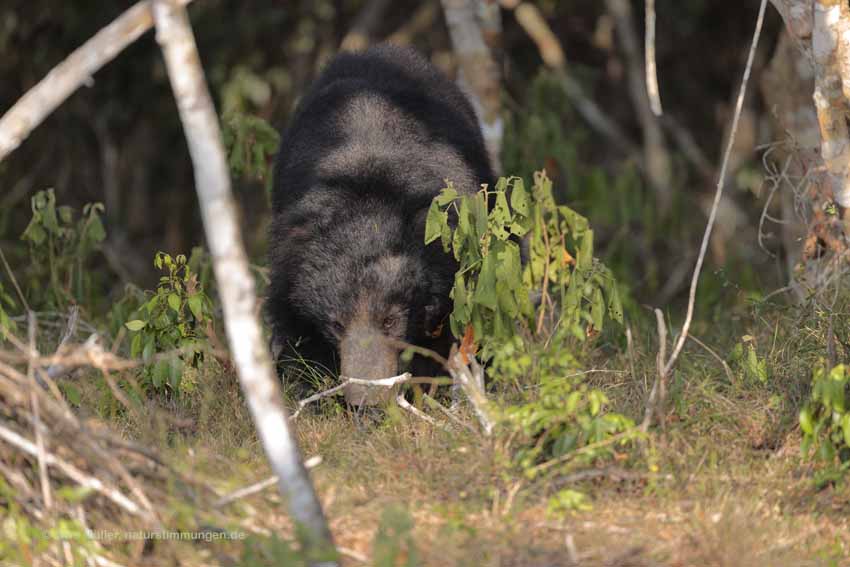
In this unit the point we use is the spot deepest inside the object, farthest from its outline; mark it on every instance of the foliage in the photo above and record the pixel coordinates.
(251, 144)
(825, 419)
(60, 246)
(755, 368)
(563, 418)
(492, 289)
(178, 315)
(563, 415)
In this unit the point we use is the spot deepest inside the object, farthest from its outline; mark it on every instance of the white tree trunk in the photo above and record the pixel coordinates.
(236, 286)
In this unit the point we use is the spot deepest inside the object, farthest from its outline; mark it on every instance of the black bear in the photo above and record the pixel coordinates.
(368, 148)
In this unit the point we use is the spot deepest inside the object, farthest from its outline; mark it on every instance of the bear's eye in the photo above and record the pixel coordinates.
(389, 322)
(338, 327)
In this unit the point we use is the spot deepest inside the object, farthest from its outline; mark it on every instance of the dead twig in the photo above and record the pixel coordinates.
(664, 368)
(470, 377)
(14, 280)
(406, 406)
(72, 472)
(246, 491)
(716, 356)
(650, 64)
(379, 383)
(38, 426)
(656, 156)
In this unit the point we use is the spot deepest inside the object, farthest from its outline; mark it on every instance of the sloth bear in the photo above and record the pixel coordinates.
(368, 148)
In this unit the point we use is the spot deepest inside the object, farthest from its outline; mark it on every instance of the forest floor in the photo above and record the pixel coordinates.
(721, 484)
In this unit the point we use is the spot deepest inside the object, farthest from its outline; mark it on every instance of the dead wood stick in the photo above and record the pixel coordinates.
(470, 377)
(72, 472)
(310, 463)
(11, 273)
(649, 60)
(38, 426)
(406, 406)
(656, 156)
(76, 70)
(236, 284)
(379, 383)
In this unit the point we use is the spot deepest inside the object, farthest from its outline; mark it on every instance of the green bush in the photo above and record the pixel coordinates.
(825, 419)
(554, 414)
(177, 315)
(60, 245)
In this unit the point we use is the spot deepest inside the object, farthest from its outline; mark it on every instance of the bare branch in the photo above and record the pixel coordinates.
(406, 406)
(649, 60)
(656, 156)
(246, 491)
(38, 426)
(378, 383)
(236, 284)
(470, 376)
(665, 371)
(361, 32)
(72, 472)
(76, 70)
(12, 274)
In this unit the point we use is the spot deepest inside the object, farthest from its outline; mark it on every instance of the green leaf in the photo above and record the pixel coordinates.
(845, 428)
(160, 372)
(174, 302)
(446, 196)
(519, 197)
(597, 308)
(485, 288)
(71, 393)
(196, 305)
(135, 325)
(435, 223)
(806, 423)
(136, 346)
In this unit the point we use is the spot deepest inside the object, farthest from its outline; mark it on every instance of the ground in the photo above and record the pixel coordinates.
(721, 484)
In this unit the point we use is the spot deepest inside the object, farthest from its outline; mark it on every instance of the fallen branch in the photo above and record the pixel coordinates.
(246, 491)
(379, 383)
(406, 406)
(73, 472)
(470, 377)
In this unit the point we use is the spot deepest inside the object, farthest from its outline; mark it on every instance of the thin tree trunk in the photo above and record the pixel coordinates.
(479, 74)
(236, 286)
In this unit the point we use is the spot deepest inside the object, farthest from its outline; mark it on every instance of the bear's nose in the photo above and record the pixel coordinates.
(367, 355)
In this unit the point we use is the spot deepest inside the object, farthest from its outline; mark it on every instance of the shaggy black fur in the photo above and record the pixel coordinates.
(368, 148)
